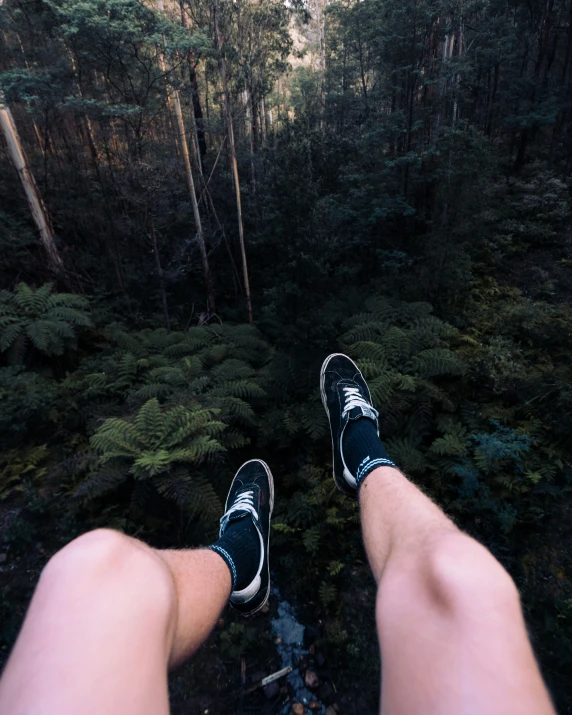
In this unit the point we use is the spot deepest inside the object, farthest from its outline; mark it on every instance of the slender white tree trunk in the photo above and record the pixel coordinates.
(233, 162)
(37, 206)
(458, 75)
(173, 97)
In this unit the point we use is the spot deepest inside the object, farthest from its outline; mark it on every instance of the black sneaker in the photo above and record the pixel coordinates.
(345, 396)
(252, 492)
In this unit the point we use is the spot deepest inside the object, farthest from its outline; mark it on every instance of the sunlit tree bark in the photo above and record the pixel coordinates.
(37, 207)
(176, 103)
(232, 154)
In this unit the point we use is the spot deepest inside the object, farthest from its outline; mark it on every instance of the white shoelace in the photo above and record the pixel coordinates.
(353, 398)
(244, 502)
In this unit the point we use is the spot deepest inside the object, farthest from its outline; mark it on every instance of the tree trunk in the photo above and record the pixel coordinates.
(199, 124)
(37, 207)
(253, 140)
(263, 121)
(233, 162)
(254, 120)
(197, 110)
(197, 216)
(174, 93)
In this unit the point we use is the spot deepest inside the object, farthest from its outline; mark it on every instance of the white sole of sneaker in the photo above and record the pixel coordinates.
(349, 491)
(271, 485)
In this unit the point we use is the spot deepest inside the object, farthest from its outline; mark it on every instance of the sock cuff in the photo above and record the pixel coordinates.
(364, 470)
(227, 558)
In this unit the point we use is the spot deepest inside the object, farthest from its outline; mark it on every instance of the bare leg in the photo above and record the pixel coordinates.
(109, 616)
(449, 621)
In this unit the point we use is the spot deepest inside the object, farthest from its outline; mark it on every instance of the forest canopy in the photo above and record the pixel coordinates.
(200, 199)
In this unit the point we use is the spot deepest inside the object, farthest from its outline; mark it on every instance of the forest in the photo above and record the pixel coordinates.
(199, 201)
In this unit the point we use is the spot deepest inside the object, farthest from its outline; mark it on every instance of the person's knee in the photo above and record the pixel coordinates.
(458, 571)
(456, 576)
(452, 575)
(108, 558)
(99, 550)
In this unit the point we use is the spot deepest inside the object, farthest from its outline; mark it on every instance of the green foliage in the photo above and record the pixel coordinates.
(218, 361)
(157, 446)
(328, 593)
(28, 402)
(170, 413)
(41, 318)
(403, 201)
(405, 353)
(238, 639)
(17, 467)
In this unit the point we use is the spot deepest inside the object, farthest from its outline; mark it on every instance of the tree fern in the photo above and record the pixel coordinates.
(158, 445)
(39, 318)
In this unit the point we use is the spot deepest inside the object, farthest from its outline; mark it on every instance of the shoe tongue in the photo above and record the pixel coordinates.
(232, 517)
(238, 514)
(357, 412)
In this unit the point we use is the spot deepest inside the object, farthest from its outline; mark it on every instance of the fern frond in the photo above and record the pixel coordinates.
(371, 368)
(436, 362)
(405, 453)
(26, 297)
(118, 437)
(56, 301)
(311, 539)
(201, 448)
(239, 388)
(327, 593)
(315, 422)
(150, 463)
(178, 487)
(39, 334)
(66, 314)
(237, 408)
(370, 351)
(397, 345)
(450, 445)
(232, 370)
(204, 500)
(404, 382)
(47, 320)
(10, 332)
(366, 332)
(233, 439)
(106, 480)
(381, 389)
(149, 422)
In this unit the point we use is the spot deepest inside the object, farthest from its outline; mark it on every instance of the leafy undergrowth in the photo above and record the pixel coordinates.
(142, 431)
